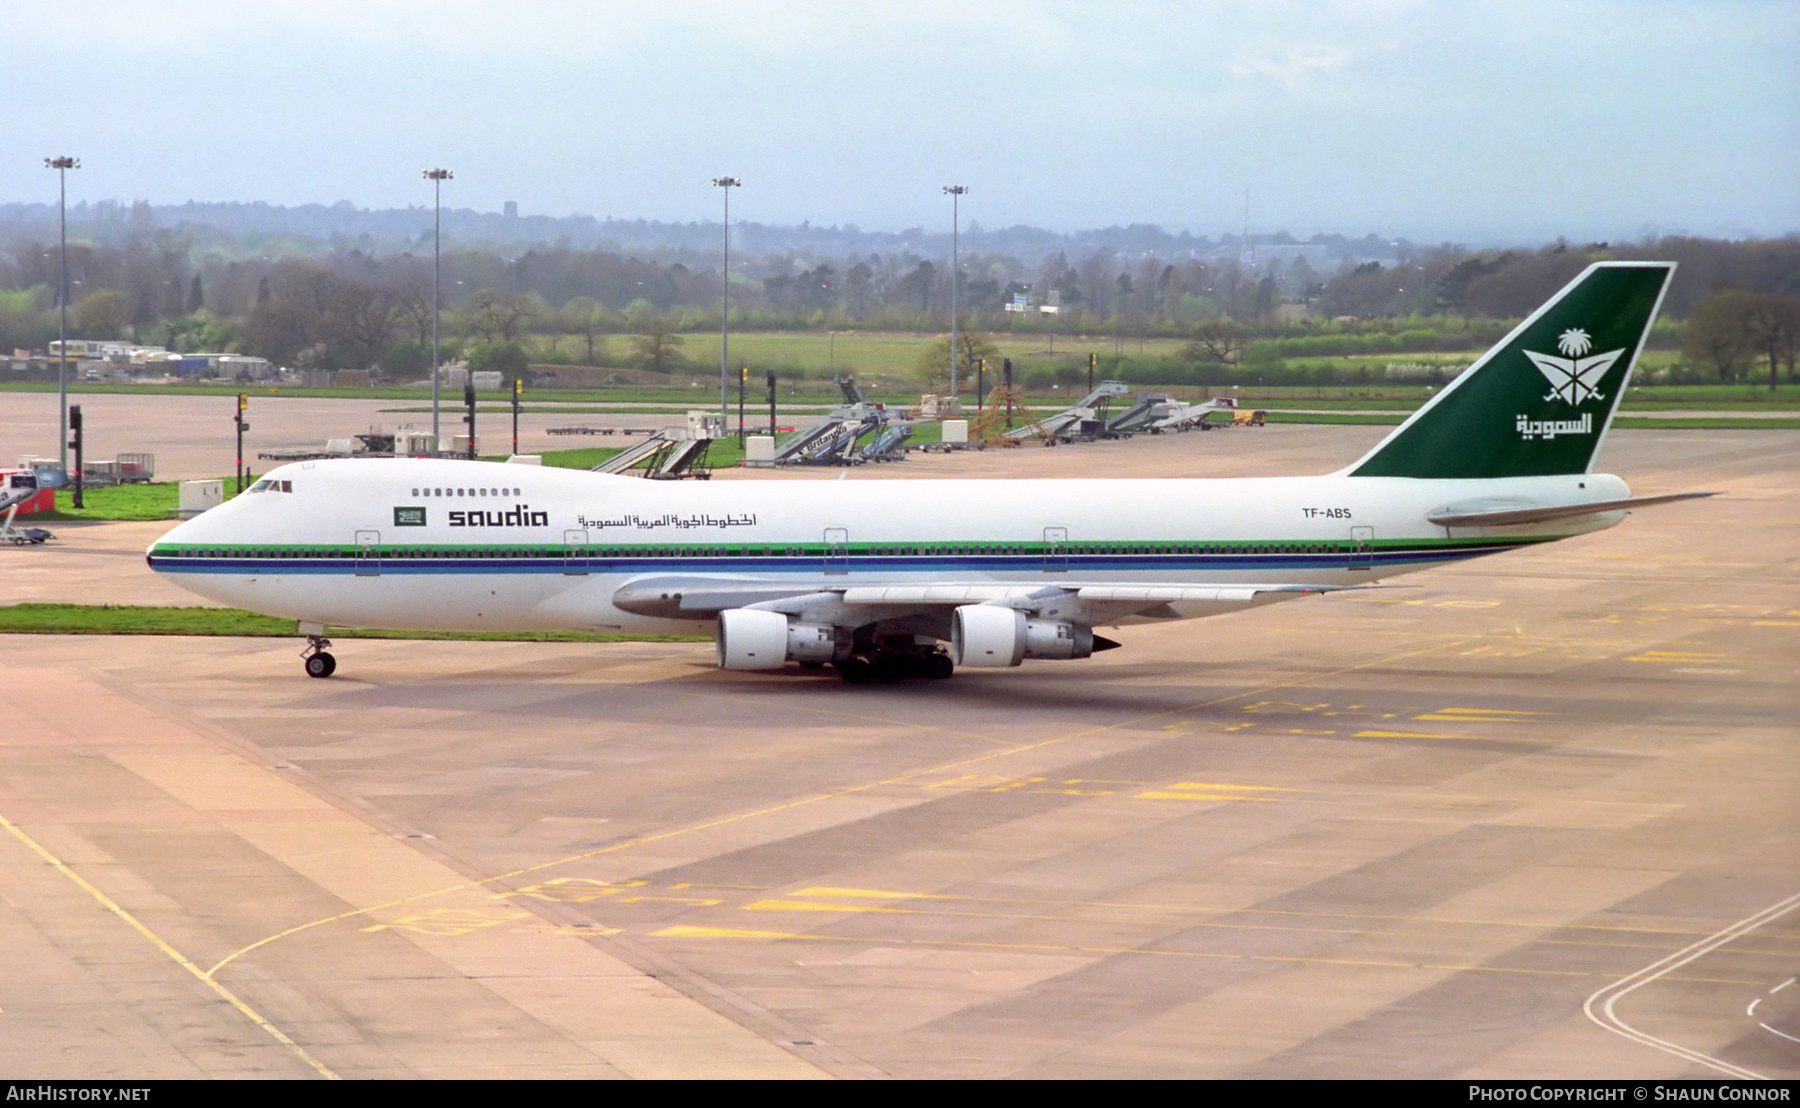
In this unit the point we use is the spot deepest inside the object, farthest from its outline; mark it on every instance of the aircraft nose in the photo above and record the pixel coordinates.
(182, 533)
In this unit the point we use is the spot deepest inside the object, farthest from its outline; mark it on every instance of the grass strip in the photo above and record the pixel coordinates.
(140, 619)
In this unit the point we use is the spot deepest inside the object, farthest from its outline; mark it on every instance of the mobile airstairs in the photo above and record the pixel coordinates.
(16, 489)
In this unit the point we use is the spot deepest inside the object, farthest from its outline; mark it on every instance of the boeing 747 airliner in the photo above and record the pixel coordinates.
(875, 579)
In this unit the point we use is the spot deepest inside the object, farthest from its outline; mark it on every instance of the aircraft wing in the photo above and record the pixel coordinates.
(1084, 602)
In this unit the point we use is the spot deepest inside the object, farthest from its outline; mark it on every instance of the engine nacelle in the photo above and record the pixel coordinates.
(751, 638)
(1055, 638)
(988, 635)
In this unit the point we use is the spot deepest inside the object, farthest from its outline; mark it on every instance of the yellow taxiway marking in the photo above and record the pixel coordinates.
(990, 907)
(168, 951)
(999, 748)
(833, 899)
(1401, 735)
(684, 931)
(572, 890)
(1479, 715)
(872, 894)
(451, 921)
(1202, 790)
(822, 906)
(1681, 656)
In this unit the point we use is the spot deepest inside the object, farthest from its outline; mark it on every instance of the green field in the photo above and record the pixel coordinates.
(885, 366)
(126, 619)
(894, 355)
(119, 502)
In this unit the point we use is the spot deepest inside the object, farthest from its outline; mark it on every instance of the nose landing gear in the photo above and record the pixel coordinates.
(319, 662)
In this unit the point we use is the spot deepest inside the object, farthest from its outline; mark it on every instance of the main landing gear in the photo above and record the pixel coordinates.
(888, 667)
(319, 662)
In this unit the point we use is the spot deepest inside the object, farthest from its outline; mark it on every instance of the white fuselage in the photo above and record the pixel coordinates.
(424, 544)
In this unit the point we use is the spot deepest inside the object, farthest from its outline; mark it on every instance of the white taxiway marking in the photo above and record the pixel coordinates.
(1752, 1012)
(1599, 1007)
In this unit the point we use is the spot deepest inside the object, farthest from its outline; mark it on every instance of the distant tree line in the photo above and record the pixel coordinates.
(1731, 309)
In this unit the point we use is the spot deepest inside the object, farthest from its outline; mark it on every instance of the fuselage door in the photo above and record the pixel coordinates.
(575, 552)
(1056, 550)
(837, 550)
(368, 564)
(1362, 548)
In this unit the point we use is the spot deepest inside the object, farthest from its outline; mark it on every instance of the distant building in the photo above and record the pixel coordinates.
(1316, 255)
(97, 359)
(242, 367)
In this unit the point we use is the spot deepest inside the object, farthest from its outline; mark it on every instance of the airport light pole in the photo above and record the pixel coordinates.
(956, 194)
(62, 166)
(726, 184)
(437, 177)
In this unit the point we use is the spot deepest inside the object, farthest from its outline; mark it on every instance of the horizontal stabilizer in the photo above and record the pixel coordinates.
(1502, 515)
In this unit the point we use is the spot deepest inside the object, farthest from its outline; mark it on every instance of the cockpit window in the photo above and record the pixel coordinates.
(266, 485)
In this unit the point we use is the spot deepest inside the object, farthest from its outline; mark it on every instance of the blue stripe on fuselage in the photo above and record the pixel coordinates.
(1196, 566)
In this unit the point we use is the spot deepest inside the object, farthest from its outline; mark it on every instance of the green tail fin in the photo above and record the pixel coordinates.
(1541, 400)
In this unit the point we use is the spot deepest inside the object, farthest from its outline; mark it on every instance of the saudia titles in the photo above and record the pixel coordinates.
(519, 515)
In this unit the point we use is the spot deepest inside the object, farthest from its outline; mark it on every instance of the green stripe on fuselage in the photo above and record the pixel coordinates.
(788, 551)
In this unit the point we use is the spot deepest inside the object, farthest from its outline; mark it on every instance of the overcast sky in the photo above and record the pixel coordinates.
(1500, 121)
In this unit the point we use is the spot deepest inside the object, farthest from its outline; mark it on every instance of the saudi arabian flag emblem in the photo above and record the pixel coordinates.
(1574, 378)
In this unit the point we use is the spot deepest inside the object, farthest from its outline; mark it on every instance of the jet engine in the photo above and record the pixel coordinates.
(751, 638)
(987, 635)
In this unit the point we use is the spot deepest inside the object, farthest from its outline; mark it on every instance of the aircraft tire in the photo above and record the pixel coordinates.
(321, 665)
(856, 671)
(937, 666)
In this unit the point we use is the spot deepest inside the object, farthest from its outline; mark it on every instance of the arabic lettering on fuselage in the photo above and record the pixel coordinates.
(647, 523)
(1529, 428)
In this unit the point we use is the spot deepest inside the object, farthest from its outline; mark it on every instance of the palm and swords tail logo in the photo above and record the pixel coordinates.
(1574, 379)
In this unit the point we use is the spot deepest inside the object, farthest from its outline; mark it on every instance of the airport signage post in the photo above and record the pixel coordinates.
(469, 402)
(75, 445)
(437, 177)
(518, 385)
(725, 184)
(62, 165)
(243, 402)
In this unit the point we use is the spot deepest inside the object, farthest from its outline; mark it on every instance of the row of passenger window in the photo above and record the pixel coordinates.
(422, 493)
